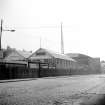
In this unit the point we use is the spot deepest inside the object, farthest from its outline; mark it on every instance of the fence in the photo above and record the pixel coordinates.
(14, 71)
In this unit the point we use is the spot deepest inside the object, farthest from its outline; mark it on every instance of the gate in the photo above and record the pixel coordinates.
(41, 68)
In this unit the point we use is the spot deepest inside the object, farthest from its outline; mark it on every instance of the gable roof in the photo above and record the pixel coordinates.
(58, 55)
(54, 54)
(17, 55)
(25, 54)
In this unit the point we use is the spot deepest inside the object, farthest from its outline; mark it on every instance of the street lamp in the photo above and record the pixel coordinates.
(1, 30)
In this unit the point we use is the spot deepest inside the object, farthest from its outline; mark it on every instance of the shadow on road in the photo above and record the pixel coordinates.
(94, 100)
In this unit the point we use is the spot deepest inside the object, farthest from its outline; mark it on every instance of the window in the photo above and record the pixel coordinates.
(46, 60)
(40, 53)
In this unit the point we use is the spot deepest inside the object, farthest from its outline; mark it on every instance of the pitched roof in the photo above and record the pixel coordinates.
(56, 55)
(17, 55)
(25, 54)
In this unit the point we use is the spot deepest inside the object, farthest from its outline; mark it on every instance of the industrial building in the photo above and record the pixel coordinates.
(43, 62)
(51, 63)
(89, 64)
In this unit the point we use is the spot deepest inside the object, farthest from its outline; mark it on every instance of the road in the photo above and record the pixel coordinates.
(69, 90)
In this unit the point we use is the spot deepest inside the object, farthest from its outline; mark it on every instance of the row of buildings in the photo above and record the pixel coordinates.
(43, 62)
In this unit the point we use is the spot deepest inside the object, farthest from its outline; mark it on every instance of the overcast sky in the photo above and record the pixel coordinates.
(83, 25)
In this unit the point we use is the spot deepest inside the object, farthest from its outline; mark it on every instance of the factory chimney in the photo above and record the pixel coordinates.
(62, 43)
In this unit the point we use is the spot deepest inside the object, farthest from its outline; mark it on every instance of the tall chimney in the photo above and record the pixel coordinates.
(62, 43)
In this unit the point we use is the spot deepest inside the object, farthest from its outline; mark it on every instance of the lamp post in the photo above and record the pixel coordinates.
(1, 30)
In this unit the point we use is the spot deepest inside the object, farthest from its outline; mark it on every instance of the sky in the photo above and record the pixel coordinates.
(83, 25)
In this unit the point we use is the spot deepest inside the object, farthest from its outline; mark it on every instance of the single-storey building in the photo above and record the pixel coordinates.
(52, 63)
(54, 60)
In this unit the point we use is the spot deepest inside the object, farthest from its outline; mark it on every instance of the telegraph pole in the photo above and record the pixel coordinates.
(62, 43)
(1, 31)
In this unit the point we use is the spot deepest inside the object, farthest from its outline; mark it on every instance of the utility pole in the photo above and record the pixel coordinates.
(40, 42)
(62, 43)
(1, 31)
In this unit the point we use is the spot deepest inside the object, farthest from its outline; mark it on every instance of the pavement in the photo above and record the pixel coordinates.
(29, 79)
(17, 80)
